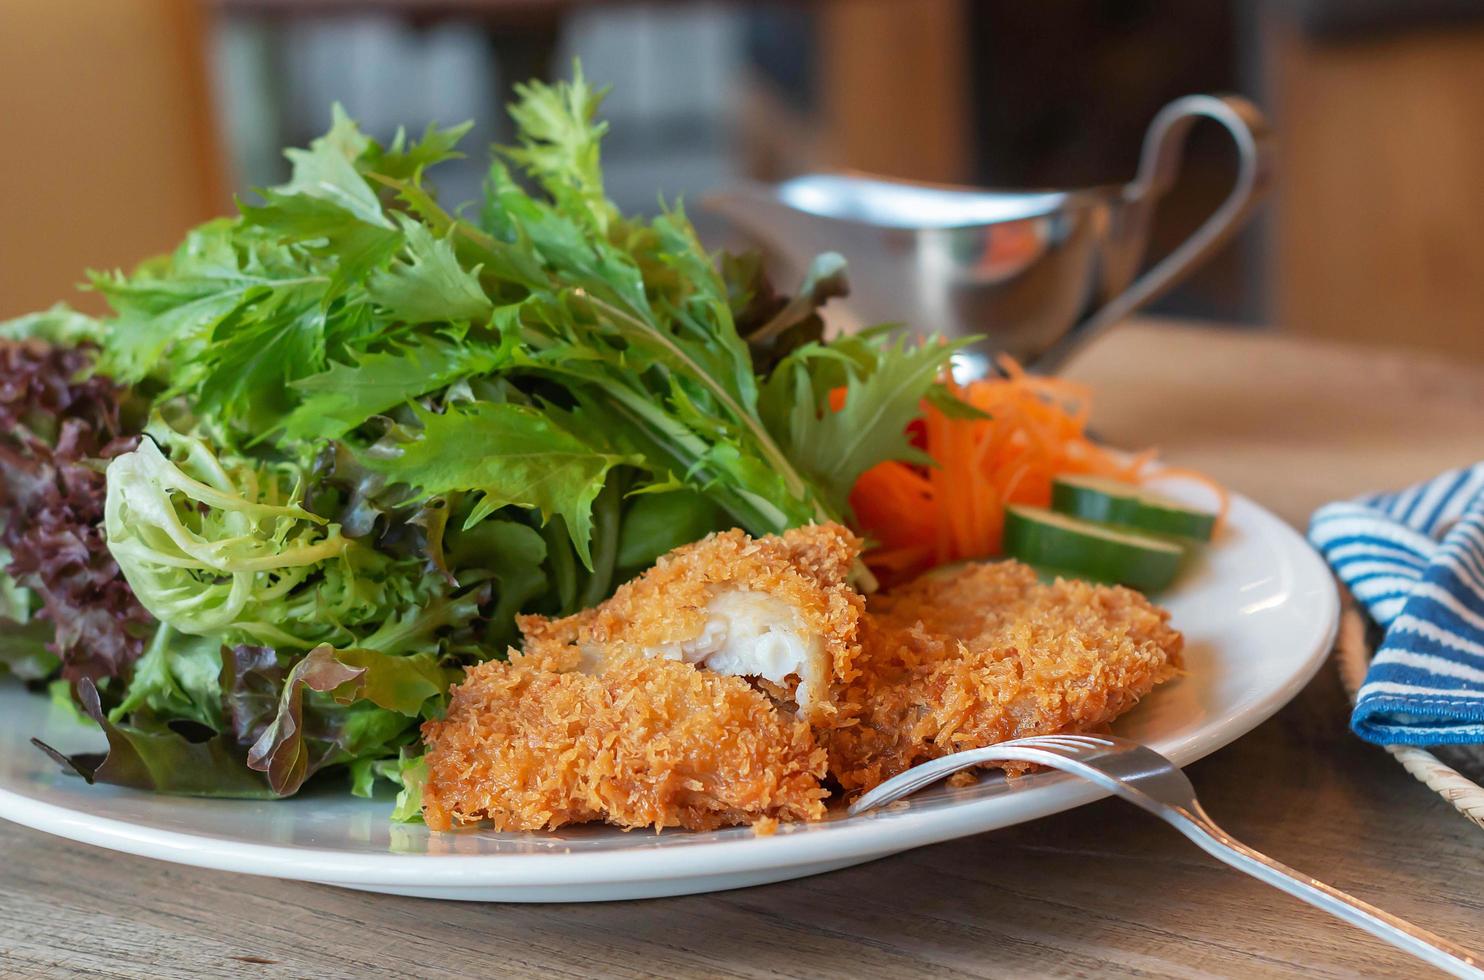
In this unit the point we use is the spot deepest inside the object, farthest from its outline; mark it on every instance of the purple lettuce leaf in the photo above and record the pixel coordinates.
(58, 429)
(330, 707)
(283, 750)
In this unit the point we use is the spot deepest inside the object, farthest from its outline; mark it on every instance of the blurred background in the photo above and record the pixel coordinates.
(123, 122)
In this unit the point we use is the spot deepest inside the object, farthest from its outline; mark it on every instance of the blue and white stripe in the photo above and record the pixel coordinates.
(1415, 560)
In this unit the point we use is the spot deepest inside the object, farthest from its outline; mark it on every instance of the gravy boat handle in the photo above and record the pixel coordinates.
(1159, 165)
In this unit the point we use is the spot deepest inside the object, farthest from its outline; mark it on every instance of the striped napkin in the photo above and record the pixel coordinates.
(1415, 560)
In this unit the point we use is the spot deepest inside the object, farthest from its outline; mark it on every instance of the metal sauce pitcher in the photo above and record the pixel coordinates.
(1037, 273)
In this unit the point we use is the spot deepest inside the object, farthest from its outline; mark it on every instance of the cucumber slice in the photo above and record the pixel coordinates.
(1087, 549)
(1099, 499)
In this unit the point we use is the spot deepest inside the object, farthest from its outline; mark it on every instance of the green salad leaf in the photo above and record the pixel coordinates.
(880, 386)
(150, 755)
(59, 325)
(23, 648)
(429, 285)
(293, 744)
(176, 678)
(528, 461)
(228, 555)
(408, 771)
(23, 637)
(662, 521)
(336, 401)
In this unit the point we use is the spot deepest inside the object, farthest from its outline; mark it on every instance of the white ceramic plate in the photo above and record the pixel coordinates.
(1259, 613)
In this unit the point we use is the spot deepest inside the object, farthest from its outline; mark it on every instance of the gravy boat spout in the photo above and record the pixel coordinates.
(1035, 273)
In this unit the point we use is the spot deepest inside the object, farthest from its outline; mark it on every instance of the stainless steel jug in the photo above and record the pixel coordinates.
(1036, 273)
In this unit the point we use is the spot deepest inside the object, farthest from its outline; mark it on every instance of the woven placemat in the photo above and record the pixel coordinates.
(1451, 772)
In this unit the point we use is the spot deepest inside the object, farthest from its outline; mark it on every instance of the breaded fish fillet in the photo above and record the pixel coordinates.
(684, 700)
(776, 609)
(536, 743)
(978, 654)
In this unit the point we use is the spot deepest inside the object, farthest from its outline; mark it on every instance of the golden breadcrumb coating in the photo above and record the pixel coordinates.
(535, 743)
(969, 656)
(805, 568)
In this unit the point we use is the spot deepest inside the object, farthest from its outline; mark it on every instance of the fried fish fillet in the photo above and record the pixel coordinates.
(982, 653)
(685, 700)
(775, 609)
(537, 743)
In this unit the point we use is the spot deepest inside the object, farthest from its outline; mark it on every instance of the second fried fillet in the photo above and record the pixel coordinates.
(537, 743)
(775, 609)
(970, 656)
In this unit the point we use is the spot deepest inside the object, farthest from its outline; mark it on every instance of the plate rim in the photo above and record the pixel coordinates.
(841, 839)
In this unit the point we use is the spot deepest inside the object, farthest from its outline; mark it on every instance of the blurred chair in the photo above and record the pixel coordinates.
(110, 145)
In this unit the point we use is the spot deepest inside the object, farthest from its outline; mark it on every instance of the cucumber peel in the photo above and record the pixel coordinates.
(1088, 549)
(1111, 502)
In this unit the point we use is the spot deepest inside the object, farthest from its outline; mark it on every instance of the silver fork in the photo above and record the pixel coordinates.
(1147, 779)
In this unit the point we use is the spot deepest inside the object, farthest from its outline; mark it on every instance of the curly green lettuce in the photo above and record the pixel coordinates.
(284, 647)
(218, 551)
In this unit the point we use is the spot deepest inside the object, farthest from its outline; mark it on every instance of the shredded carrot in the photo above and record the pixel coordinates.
(1036, 430)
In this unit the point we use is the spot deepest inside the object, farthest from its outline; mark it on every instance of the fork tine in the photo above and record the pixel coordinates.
(1067, 741)
(1050, 742)
(1080, 738)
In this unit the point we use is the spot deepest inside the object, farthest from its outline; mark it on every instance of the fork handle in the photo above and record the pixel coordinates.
(1434, 949)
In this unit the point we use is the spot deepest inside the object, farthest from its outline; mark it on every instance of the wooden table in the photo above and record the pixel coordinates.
(1103, 890)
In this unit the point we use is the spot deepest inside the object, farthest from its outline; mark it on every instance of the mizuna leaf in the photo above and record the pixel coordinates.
(324, 227)
(430, 286)
(338, 400)
(511, 455)
(401, 159)
(559, 144)
(863, 420)
(327, 170)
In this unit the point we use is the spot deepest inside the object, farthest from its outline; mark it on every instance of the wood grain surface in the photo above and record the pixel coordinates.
(1100, 891)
